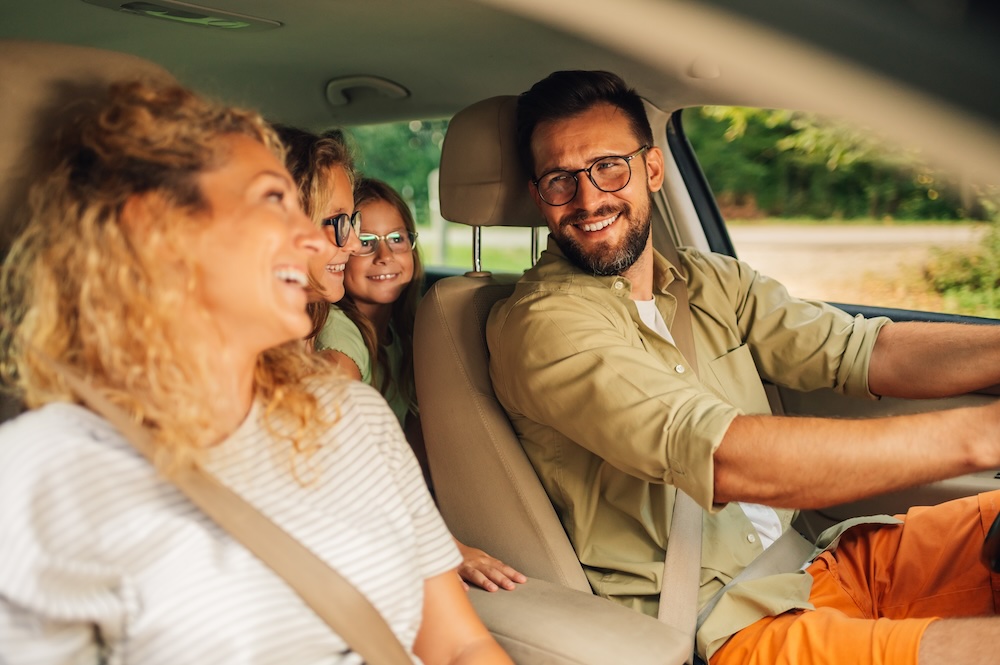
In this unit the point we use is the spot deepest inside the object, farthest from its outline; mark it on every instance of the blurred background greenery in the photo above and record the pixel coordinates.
(764, 167)
(768, 163)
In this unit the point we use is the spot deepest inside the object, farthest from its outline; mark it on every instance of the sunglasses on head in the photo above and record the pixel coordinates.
(342, 225)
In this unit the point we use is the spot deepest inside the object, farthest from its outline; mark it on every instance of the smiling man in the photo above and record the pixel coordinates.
(615, 420)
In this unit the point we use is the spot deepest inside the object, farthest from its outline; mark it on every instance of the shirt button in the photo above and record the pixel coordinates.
(751, 538)
(619, 285)
(679, 369)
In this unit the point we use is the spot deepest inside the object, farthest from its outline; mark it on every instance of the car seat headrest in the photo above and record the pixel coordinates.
(39, 84)
(482, 182)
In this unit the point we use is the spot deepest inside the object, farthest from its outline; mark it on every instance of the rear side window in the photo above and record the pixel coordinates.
(838, 215)
(407, 155)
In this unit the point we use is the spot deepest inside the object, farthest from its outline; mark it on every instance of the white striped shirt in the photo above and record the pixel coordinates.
(102, 560)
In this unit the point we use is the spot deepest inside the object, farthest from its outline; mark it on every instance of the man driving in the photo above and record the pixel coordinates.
(615, 419)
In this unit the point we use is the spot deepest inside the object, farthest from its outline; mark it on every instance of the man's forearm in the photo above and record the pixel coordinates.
(921, 360)
(816, 462)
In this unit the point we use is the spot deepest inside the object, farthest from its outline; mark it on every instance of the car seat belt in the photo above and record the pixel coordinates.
(323, 589)
(682, 563)
(785, 555)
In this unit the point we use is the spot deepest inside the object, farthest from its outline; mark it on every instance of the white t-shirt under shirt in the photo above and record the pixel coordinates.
(763, 518)
(101, 560)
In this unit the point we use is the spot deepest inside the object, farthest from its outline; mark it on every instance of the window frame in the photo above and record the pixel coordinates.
(719, 240)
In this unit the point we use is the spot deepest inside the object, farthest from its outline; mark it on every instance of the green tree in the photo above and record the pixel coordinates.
(402, 154)
(969, 281)
(791, 164)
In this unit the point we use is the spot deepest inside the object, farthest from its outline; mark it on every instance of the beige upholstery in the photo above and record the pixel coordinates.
(486, 488)
(482, 182)
(542, 622)
(39, 82)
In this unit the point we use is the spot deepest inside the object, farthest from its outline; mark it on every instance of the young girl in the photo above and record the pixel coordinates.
(167, 260)
(369, 334)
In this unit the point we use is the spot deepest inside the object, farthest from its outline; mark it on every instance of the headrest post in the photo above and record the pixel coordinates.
(477, 262)
(534, 245)
(477, 248)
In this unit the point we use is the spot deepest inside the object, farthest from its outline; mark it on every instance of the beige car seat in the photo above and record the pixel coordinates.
(39, 82)
(485, 486)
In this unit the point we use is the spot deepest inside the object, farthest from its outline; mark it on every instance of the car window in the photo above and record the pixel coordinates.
(838, 215)
(407, 155)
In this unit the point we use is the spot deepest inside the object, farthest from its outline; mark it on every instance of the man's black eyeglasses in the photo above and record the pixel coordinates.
(342, 225)
(609, 174)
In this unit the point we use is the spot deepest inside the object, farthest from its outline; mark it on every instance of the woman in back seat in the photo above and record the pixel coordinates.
(166, 259)
(323, 168)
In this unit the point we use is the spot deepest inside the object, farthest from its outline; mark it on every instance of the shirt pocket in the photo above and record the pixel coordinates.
(734, 377)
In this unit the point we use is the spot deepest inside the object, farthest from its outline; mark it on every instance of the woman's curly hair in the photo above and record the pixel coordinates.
(81, 289)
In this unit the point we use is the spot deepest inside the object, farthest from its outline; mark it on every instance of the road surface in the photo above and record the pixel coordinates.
(848, 263)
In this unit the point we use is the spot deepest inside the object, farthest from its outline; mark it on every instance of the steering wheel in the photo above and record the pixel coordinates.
(990, 555)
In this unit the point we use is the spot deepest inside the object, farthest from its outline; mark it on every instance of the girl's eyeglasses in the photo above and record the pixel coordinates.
(342, 225)
(398, 242)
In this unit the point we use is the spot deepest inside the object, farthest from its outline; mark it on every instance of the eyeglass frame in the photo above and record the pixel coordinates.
(590, 176)
(381, 238)
(340, 222)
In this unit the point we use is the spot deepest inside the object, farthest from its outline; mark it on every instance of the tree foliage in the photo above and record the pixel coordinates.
(403, 155)
(777, 163)
(759, 162)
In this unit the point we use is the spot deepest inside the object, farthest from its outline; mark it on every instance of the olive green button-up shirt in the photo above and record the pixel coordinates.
(613, 419)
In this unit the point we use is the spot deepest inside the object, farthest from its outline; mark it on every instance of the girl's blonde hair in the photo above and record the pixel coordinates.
(404, 310)
(82, 289)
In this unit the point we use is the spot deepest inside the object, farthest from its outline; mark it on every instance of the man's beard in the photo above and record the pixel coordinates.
(605, 261)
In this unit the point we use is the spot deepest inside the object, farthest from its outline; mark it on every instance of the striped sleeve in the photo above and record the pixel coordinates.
(435, 548)
(56, 489)
(101, 560)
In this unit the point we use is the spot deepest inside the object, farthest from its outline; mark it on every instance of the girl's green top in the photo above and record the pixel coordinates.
(341, 334)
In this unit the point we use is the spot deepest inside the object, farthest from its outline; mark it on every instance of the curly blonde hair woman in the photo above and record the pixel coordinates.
(167, 259)
(85, 285)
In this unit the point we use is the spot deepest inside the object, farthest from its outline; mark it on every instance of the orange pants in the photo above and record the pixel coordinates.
(880, 589)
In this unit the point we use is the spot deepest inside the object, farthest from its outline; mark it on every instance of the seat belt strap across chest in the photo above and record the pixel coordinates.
(682, 564)
(323, 589)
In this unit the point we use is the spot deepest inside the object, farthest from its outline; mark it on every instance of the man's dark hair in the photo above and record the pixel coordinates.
(569, 93)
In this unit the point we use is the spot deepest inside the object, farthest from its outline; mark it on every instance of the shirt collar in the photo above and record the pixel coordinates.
(665, 272)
